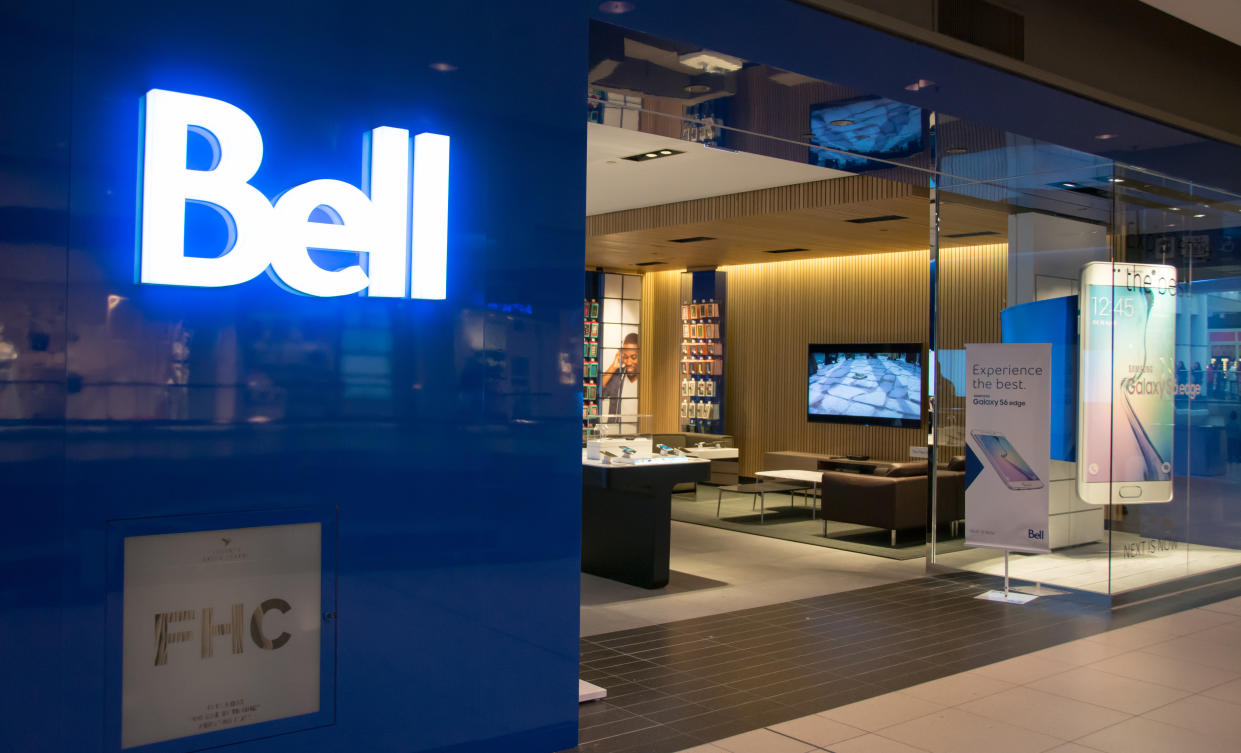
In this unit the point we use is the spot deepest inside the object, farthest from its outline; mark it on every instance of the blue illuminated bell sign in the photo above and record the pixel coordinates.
(398, 218)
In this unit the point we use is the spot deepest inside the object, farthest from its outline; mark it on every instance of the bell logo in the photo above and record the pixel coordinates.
(1037, 535)
(396, 222)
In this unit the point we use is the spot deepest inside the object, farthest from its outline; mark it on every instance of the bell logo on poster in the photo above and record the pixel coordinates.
(396, 222)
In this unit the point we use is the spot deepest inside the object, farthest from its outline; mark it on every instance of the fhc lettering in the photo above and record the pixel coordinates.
(209, 629)
(396, 222)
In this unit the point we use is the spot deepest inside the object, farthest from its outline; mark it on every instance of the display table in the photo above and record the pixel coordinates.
(725, 462)
(627, 517)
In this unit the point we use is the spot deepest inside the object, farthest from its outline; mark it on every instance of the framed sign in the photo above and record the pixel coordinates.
(221, 628)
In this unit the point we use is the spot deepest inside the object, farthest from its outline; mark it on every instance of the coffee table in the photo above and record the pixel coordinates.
(794, 474)
(758, 490)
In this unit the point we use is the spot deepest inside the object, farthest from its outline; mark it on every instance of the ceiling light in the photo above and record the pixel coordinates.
(919, 85)
(1106, 136)
(955, 150)
(1174, 209)
(1116, 180)
(1200, 215)
(712, 62)
(697, 89)
(841, 123)
(616, 7)
(443, 67)
(659, 154)
(880, 218)
(1066, 184)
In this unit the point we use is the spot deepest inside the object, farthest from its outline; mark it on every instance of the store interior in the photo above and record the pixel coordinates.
(769, 295)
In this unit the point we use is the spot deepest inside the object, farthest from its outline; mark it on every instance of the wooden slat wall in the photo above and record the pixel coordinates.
(973, 288)
(776, 309)
(659, 385)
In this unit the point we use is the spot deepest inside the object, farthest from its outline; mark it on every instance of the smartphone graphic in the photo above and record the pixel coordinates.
(1126, 382)
(1006, 461)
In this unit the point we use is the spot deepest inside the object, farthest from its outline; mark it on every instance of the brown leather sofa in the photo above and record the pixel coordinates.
(882, 494)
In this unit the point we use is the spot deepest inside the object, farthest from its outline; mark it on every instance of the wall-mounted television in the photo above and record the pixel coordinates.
(865, 126)
(878, 384)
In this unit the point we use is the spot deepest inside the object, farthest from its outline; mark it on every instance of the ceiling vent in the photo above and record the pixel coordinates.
(787, 250)
(972, 235)
(880, 218)
(693, 239)
(649, 263)
(653, 154)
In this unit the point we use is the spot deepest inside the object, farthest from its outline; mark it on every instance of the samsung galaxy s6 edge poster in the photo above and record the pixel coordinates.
(1127, 382)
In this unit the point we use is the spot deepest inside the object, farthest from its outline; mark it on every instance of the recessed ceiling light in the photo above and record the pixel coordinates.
(1067, 184)
(616, 7)
(1106, 136)
(697, 89)
(658, 154)
(919, 85)
(1200, 215)
(1174, 209)
(1116, 180)
(443, 67)
(955, 150)
(712, 62)
(841, 123)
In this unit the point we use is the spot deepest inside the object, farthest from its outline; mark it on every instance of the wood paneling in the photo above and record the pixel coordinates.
(776, 309)
(659, 385)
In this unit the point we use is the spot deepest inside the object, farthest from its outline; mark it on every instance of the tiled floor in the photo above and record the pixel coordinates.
(717, 571)
(1171, 683)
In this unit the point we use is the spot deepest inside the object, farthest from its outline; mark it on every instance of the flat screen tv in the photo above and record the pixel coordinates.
(878, 384)
(867, 127)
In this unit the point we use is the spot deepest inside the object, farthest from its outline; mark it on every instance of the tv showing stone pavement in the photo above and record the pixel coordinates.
(880, 385)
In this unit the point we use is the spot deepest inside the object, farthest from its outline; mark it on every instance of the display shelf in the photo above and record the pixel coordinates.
(702, 352)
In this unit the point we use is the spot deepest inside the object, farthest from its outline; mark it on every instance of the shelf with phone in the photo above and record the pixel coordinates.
(702, 364)
(590, 367)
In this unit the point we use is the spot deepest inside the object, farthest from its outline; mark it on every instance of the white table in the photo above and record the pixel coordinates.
(713, 453)
(793, 474)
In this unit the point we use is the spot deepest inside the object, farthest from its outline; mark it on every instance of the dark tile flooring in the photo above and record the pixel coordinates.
(685, 683)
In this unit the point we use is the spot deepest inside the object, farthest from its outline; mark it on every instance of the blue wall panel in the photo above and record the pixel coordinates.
(444, 432)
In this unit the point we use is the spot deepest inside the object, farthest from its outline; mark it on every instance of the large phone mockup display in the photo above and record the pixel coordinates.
(1127, 382)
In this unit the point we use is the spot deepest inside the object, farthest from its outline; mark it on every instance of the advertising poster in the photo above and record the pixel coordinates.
(220, 629)
(1008, 439)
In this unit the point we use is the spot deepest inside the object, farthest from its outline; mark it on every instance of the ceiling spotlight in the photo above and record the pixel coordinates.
(616, 7)
(919, 85)
(841, 123)
(1066, 184)
(712, 62)
(1174, 209)
(1116, 180)
(1106, 136)
(443, 67)
(657, 154)
(697, 89)
(1200, 216)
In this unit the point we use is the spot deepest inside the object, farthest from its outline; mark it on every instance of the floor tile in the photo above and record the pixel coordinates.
(874, 714)
(1190, 621)
(1131, 637)
(1108, 690)
(956, 731)
(1079, 653)
(1202, 714)
(1072, 748)
(1229, 691)
(874, 744)
(956, 689)
(763, 741)
(1228, 606)
(704, 749)
(1189, 649)
(1141, 735)
(1053, 715)
(1023, 669)
(1167, 671)
(817, 730)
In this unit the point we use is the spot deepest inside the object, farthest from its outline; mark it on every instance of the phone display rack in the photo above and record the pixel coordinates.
(590, 366)
(702, 352)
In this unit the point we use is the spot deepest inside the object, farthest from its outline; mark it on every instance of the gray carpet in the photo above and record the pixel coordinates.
(788, 517)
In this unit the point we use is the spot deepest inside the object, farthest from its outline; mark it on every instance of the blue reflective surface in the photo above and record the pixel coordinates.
(443, 432)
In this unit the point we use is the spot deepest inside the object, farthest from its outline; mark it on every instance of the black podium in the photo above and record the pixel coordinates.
(627, 518)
